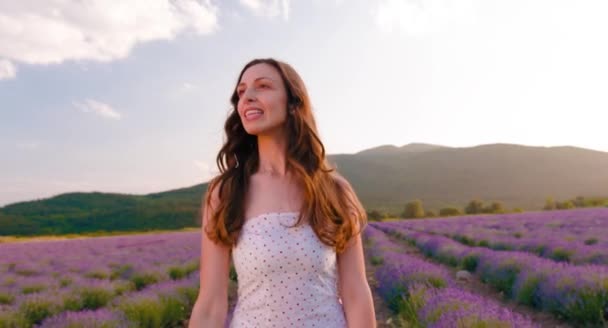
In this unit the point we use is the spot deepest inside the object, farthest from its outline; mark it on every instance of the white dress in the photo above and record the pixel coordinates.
(286, 276)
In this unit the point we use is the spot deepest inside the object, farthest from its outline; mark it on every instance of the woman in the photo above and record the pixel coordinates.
(291, 223)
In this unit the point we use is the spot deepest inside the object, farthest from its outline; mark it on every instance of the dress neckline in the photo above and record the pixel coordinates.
(255, 217)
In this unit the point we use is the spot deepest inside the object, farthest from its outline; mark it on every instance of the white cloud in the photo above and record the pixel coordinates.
(419, 18)
(99, 108)
(268, 8)
(53, 31)
(208, 172)
(7, 70)
(186, 86)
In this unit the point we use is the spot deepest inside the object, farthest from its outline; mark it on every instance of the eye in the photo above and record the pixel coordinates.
(239, 92)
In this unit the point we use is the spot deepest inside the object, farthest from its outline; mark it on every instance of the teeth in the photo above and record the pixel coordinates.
(253, 112)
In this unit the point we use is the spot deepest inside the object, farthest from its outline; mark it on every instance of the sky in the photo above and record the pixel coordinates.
(131, 96)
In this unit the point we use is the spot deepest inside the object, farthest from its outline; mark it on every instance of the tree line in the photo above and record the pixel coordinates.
(579, 201)
(415, 209)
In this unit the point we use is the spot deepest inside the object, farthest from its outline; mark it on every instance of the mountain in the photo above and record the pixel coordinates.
(390, 149)
(520, 176)
(384, 178)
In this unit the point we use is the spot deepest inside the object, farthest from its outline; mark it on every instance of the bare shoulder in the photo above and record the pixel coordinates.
(343, 182)
(339, 178)
(354, 204)
(212, 194)
(210, 201)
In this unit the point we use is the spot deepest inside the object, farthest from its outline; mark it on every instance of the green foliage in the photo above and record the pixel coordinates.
(528, 291)
(179, 272)
(591, 241)
(502, 276)
(167, 310)
(561, 254)
(589, 309)
(395, 298)
(13, 320)
(437, 282)
(141, 280)
(189, 293)
(144, 312)
(64, 282)
(72, 302)
(174, 311)
(26, 272)
(377, 260)
(465, 240)
(6, 298)
(375, 215)
(233, 275)
(413, 209)
(495, 208)
(409, 306)
(470, 262)
(94, 298)
(475, 206)
(576, 202)
(549, 204)
(88, 298)
(449, 211)
(33, 288)
(565, 205)
(36, 310)
(75, 213)
(446, 258)
(176, 272)
(98, 274)
(122, 271)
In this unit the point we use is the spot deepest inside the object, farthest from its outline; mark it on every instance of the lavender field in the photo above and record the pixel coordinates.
(123, 281)
(151, 280)
(573, 287)
(577, 236)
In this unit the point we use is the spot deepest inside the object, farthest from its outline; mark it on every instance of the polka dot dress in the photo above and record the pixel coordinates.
(286, 276)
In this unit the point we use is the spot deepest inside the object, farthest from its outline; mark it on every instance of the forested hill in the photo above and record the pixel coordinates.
(384, 178)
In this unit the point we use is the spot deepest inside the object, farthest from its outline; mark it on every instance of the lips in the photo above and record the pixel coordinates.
(252, 112)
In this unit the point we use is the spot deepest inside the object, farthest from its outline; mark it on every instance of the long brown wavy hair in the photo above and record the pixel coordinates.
(335, 214)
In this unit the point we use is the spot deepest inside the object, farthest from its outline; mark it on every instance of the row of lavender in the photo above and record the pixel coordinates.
(424, 294)
(578, 236)
(576, 293)
(126, 281)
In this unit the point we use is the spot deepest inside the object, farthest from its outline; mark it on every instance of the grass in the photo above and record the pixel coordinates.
(16, 239)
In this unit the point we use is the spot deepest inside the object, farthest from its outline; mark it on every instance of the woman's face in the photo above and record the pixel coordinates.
(262, 104)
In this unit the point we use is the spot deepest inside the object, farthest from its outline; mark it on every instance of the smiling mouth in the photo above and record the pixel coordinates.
(253, 113)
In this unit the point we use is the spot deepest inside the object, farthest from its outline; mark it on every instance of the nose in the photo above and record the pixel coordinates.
(249, 94)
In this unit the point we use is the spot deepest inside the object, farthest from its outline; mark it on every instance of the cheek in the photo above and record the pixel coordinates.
(279, 105)
(239, 107)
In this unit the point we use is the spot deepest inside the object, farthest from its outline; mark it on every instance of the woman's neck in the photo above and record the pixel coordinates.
(272, 152)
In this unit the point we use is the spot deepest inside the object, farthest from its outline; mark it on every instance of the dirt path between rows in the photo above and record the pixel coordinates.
(474, 285)
(384, 316)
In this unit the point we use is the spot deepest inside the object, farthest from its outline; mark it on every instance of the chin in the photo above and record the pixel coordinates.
(254, 131)
(261, 129)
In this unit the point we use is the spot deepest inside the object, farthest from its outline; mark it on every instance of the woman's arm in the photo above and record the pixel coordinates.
(211, 306)
(354, 290)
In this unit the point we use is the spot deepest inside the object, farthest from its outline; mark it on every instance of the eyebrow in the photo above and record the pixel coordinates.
(259, 78)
